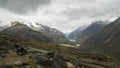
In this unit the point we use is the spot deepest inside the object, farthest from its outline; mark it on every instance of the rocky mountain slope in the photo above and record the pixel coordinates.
(90, 30)
(23, 31)
(48, 55)
(55, 34)
(76, 33)
(106, 41)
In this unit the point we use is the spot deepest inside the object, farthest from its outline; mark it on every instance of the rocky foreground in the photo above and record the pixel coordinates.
(36, 58)
(23, 53)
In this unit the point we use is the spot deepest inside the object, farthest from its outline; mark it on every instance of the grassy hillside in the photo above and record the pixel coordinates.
(106, 41)
(89, 60)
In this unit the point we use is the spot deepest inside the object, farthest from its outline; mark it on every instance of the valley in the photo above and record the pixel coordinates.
(46, 47)
(44, 50)
(59, 34)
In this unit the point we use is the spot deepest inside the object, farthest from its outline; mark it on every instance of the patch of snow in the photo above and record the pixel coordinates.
(36, 27)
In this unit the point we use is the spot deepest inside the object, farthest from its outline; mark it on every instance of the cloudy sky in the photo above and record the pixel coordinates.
(65, 15)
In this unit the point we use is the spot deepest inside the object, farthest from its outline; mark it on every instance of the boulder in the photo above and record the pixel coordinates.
(20, 49)
(50, 55)
(42, 60)
(70, 65)
(18, 63)
(79, 63)
(59, 61)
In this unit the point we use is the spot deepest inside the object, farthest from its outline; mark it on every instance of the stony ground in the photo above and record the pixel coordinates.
(48, 55)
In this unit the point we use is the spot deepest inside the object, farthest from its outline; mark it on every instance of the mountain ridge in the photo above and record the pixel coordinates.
(106, 41)
(74, 34)
(90, 30)
(57, 35)
(54, 34)
(23, 31)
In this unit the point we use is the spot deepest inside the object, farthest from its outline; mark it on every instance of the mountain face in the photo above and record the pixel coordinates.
(76, 33)
(106, 41)
(89, 31)
(55, 34)
(23, 31)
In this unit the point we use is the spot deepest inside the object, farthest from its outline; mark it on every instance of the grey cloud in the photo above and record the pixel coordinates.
(77, 13)
(3, 3)
(62, 13)
(22, 6)
(101, 9)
